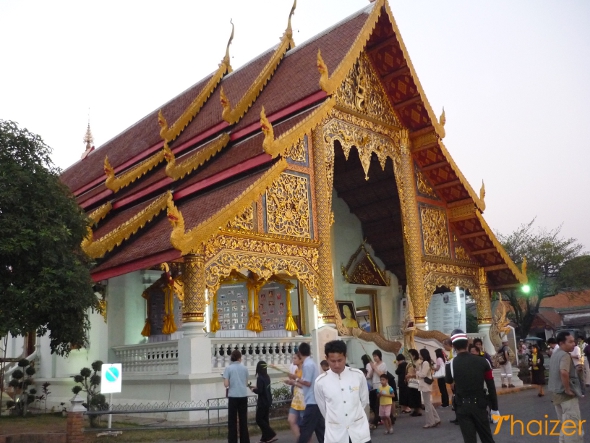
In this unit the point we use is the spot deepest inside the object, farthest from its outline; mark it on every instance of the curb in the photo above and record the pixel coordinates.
(504, 391)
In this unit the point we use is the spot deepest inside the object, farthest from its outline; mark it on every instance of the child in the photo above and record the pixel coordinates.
(385, 393)
(324, 365)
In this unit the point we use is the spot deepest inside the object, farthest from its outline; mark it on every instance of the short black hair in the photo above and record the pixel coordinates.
(324, 363)
(460, 345)
(551, 341)
(305, 349)
(400, 357)
(477, 340)
(235, 355)
(562, 336)
(377, 352)
(335, 347)
(384, 375)
(415, 355)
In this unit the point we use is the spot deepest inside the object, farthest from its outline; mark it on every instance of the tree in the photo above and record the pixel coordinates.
(575, 274)
(547, 256)
(45, 283)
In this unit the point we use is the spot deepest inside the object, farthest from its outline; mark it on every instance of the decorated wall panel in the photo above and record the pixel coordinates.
(297, 153)
(288, 206)
(435, 234)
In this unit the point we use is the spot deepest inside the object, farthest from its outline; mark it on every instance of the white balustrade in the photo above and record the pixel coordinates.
(149, 357)
(162, 357)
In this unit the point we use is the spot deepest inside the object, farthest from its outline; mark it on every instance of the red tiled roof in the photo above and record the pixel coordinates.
(156, 239)
(567, 300)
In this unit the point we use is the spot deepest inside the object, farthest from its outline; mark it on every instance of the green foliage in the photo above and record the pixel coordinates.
(547, 254)
(90, 383)
(471, 322)
(575, 274)
(45, 281)
(20, 381)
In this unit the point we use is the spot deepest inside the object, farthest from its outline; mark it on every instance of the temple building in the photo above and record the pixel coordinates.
(304, 196)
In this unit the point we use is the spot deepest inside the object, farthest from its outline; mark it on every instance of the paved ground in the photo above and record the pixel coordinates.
(524, 405)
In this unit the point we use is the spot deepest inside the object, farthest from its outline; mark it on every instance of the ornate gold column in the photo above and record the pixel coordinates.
(404, 173)
(323, 163)
(483, 302)
(193, 308)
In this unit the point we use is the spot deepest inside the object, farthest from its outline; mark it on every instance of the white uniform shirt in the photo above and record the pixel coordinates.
(342, 399)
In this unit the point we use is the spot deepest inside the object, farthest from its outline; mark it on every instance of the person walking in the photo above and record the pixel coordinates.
(402, 386)
(469, 373)
(264, 403)
(313, 420)
(506, 364)
(536, 362)
(374, 371)
(415, 400)
(235, 379)
(442, 385)
(578, 359)
(298, 402)
(565, 385)
(342, 394)
(386, 395)
(424, 375)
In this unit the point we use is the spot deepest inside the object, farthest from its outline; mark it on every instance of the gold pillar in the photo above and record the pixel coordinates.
(404, 173)
(193, 308)
(482, 300)
(323, 162)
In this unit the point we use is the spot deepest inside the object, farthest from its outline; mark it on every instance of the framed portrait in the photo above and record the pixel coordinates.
(348, 313)
(363, 317)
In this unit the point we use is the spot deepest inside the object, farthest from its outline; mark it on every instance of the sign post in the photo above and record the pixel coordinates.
(110, 382)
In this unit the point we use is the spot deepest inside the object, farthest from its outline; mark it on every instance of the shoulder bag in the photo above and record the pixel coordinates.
(428, 380)
(440, 373)
(412, 382)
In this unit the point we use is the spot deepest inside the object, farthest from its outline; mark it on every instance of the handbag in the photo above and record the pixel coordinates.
(413, 383)
(440, 373)
(428, 380)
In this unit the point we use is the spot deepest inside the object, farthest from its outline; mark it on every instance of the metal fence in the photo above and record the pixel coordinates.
(212, 408)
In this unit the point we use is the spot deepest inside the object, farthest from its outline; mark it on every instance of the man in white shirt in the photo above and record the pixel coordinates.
(578, 361)
(342, 394)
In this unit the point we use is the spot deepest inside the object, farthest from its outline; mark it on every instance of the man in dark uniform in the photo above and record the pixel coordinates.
(469, 372)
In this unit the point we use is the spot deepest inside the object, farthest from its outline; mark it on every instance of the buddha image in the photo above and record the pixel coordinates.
(347, 318)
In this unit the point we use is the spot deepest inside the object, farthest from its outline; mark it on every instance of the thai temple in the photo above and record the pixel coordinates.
(306, 196)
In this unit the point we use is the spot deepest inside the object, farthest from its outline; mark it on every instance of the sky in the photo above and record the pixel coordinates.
(512, 76)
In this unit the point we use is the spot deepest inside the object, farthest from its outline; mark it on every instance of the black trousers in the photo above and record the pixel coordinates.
(262, 413)
(444, 395)
(237, 407)
(374, 404)
(313, 421)
(474, 421)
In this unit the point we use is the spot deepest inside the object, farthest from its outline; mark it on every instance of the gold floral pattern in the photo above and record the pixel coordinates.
(298, 150)
(287, 206)
(434, 231)
(243, 221)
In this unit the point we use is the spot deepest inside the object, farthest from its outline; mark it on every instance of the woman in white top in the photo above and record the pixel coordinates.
(442, 385)
(424, 370)
(374, 370)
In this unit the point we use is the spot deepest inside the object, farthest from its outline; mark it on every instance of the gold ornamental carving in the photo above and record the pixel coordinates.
(265, 257)
(450, 276)
(483, 301)
(115, 183)
(323, 162)
(362, 269)
(298, 151)
(362, 92)
(243, 221)
(366, 142)
(177, 171)
(187, 242)
(233, 115)
(193, 307)
(101, 212)
(169, 133)
(403, 166)
(460, 252)
(109, 241)
(434, 231)
(423, 186)
(287, 206)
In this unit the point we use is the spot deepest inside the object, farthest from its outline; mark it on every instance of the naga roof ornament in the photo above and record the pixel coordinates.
(441, 123)
(233, 115)
(169, 133)
(115, 183)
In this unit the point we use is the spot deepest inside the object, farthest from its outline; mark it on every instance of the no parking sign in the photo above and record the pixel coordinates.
(110, 378)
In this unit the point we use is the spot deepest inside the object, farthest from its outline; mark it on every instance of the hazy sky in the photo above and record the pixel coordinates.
(513, 77)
